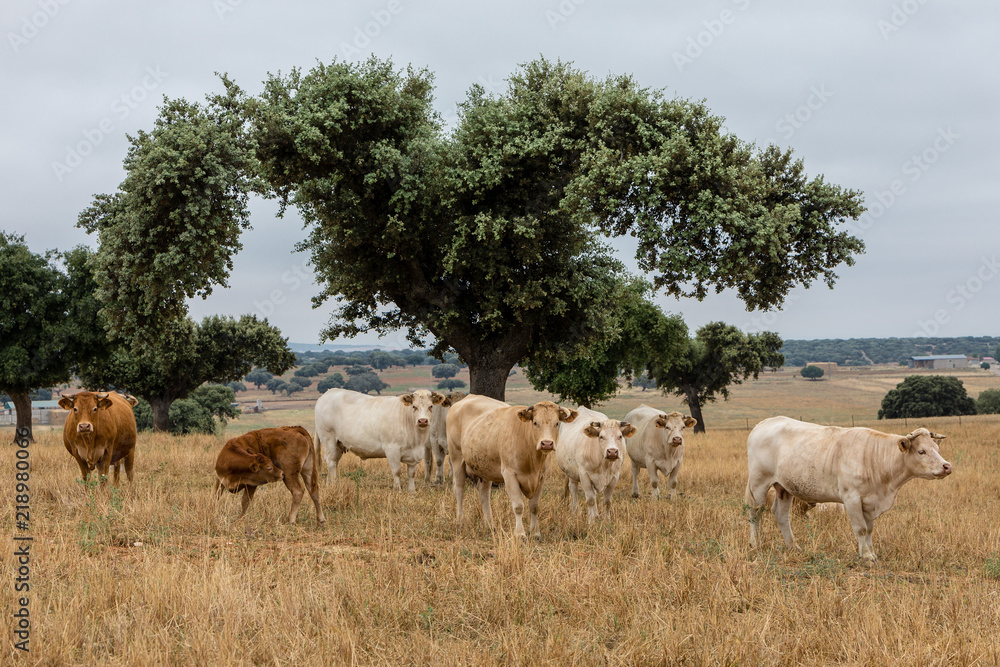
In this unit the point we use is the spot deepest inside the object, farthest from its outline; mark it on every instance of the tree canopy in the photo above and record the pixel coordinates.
(484, 236)
(988, 402)
(812, 372)
(927, 396)
(187, 355)
(718, 356)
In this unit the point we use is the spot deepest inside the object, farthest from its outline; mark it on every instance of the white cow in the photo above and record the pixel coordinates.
(395, 428)
(859, 467)
(590, 453)
(658, 446)
(437, 444)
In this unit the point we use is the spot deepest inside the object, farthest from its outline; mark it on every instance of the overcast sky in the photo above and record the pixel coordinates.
(897, 99)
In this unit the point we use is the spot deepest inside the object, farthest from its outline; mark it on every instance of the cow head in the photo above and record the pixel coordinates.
(254, 469)
(422, 403)
(923, 458)
(674, 424)
(452, 398)
(611, 434)
(544, 418)
(87, 410)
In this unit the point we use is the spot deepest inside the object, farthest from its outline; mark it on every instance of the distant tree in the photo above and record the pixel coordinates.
(307, 371)
(321, 365)
(380, 359)
(333, 381)
(645, 382)
(365, 383)
(189, 416)
(718, 356)
(258, 377)
(451, 383)
(988, 402)
(143, 412)
(275, 384)
(49, 320)
(985, 365)
(218, 400)
(414, 358)
(43, 394)
(811, 372)
(444, 371)
(357, 369)
(187, 355)
(301, 381)
(292, 388)
(237, 386)
(927, 396)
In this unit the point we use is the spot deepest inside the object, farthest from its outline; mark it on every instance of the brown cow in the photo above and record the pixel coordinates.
(508, 444)
(268, 455)
(100, 432)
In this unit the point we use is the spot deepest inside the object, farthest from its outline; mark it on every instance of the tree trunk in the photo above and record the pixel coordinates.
(694, 404)
(22, 407)
(161, 412)
(489, 370)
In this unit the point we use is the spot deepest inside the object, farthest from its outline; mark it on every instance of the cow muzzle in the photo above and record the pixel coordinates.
(546, 445)
(611, 455)
(945, 471)
(423, 423)
(84, 427)
(676, 442)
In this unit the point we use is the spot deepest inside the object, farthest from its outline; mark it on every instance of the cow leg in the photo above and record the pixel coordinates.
(862, 528)
(608, 490)
(573, 489)
(104, 467)
(485, 487)
(84, 470)
(654, 478)
(332, 453)
(673, 479)
(310, 474)
(393, 455)
(428, 462)
(533, 510)
(129, 463)
(513, 488)
(439, 460)
(590, 493)
(755, 508)
(635, 479)
(458, 481)
(411, 470)
(294, 484)
(781, 509)
(248, 492)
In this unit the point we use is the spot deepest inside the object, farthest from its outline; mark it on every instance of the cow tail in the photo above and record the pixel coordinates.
(317, 453)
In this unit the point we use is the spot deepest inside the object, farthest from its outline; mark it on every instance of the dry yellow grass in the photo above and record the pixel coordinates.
(159, 573)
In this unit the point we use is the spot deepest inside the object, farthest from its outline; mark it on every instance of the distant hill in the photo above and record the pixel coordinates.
(333, 347)
(863, 351)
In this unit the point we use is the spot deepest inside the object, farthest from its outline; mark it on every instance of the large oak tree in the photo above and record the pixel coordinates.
(484, 235)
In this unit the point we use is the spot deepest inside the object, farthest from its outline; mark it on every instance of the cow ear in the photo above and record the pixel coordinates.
(593, 430)
(132, 400)
(661, 421)
(526, 414)
(690, 421)
(446, 403)
(904, 444)
(104, 402)
(628, 430)
(437, 398)
(66, 402)
(567, 415)
(254, 466)
(407, 399)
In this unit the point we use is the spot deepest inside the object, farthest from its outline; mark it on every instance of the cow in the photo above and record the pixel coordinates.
(269, 455)
(503, 443)
(437, 443)
(395, 428)
(859, 467)
(100, 432)
(658, 446)
(590, 453)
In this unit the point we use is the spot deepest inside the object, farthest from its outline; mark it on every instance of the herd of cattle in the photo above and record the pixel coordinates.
(489, 441)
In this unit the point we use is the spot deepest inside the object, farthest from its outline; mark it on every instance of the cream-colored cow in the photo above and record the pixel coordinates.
(658, 446)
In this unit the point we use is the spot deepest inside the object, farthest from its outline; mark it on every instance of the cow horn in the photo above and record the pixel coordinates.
(938, 436)
(101, 394)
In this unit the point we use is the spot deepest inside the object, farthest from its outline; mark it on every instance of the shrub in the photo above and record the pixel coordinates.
(444, 371)
(189, 416)
(334, 381)
(927, 396)
(988, 402)
(301, 381)
(811, 372)
(451, 383)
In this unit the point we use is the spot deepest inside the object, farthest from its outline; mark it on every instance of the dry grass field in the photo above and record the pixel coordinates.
(157, 572)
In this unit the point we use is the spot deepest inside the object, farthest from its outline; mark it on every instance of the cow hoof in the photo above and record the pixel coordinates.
(635, 495)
